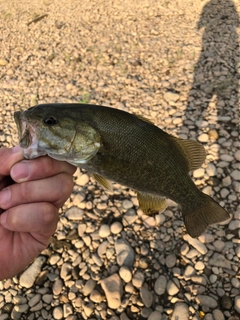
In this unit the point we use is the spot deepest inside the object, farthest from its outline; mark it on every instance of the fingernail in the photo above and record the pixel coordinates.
(16, 149)
(20, 171)
(5, 196)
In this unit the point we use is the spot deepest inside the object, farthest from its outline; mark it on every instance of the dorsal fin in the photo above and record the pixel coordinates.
(193, 151)
(143, 118)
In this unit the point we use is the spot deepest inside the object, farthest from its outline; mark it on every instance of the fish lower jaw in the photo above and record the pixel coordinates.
(32, 153)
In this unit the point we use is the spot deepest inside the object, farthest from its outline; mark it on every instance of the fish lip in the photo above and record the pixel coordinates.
(26, 132)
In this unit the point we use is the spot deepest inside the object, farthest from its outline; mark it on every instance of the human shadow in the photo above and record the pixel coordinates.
(216, 72)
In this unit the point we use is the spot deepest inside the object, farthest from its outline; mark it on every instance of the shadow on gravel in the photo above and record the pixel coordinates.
(214, 93)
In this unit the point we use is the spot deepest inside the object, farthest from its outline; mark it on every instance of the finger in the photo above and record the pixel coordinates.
(39, 168)
(35, 218)
(54, 189)
(8, 157)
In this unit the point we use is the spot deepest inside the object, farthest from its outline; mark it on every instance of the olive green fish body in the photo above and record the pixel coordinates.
(125, 148)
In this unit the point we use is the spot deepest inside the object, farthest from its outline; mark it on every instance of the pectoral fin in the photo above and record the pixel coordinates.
(103, 182)
(150, 203)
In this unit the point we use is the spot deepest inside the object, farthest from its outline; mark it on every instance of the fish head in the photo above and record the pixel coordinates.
(48, 130)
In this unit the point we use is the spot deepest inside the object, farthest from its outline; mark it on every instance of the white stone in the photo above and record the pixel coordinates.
(112, 287)
(234, 224)
(29, 275)
(211, 170)
(104, 231)
(199, 173)
(74, 213)
(203, 137)
(173, 286)
(116, 227)
(125, 274)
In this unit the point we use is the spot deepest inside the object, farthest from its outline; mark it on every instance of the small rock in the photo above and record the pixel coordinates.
(29, 276)
(112, 287)
(74, 213)
(219, 245)
(199, 265)
(237, 155)
(104, 231)
(237, 304)
(58, 313)
(171, 260)
(127, 204)
(146, 296)
(138, 279)
(125, 274)
(219, 260)
(218, 315)
(180, 311)
(211, 170)
(200, 247)
(170, 96)
(155, 315)
(129, 217)
(199, 173)
(234, 224)
(206, 301)
(160, 285)
(57, 287)
(203, 137)
(96, 296)
(88, 287)
(125, 253)
(82, 180)
(226, 302)
(116, 227)
(235, 174)
(213, 134)
(3, 62)
(173, 286)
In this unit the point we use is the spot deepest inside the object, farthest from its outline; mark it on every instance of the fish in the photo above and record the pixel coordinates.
(117, 146)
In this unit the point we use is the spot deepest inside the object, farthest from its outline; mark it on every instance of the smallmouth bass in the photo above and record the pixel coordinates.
(118, 146)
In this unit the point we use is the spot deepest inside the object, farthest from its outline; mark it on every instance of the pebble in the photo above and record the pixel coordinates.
(125, 253)
(74, 213)
(219, 260)
(211, 170)
(173, 286)
(112, 287)
(218, 315)
(155, 315)
(206, 301)
(200, 247)
(125, 274)
(171, 260)
(237, 304)
(160, 285)
(138, 279)
(180, 311)
(237, 155)
(29, 275)
(88, 287)
(199, 173)
(58, 313)
(146, 296)
(104, 231)
(171, 96)
(203, 137)
(116, 227)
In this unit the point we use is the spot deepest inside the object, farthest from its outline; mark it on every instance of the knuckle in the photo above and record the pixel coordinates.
(49, 214)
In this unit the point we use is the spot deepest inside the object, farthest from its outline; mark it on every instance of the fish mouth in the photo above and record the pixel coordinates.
(28, 140)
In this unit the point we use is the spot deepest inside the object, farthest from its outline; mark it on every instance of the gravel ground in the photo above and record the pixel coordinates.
(176, 63)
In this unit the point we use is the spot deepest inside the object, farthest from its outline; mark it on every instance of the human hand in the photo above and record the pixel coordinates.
(31, 206)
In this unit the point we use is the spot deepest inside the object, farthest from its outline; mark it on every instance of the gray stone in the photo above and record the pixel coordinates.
(219, 260)
(160, 285)
(146, 296)
(206, 301)
(138, 279)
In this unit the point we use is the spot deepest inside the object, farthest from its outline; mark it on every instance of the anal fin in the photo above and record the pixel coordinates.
(103, 182)
(151, 204)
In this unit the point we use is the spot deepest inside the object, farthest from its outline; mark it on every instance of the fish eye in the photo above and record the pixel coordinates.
(50, 121)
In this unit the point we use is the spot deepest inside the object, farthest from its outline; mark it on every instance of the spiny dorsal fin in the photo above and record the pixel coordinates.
(150, 203)
(193, 151)
(143, 119)
(103, 182)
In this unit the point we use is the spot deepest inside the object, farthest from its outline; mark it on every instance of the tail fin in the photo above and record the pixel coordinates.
(198, 219)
